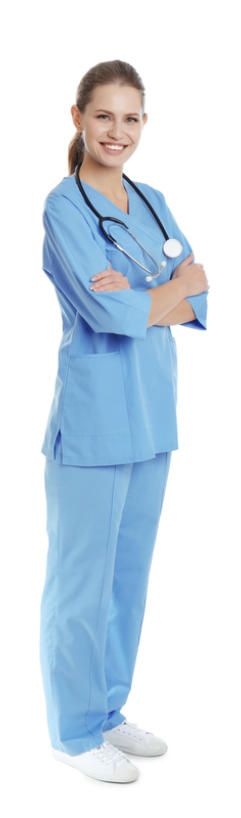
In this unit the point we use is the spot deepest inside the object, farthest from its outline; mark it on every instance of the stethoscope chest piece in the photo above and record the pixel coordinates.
(172, 248)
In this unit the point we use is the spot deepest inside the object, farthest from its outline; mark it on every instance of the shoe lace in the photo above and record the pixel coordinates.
(132, 728)
(108, 753)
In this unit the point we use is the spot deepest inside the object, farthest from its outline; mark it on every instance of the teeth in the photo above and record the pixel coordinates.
(115, 147)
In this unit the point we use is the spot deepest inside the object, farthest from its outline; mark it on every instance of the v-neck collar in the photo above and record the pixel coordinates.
(107, 208)
(100, 195)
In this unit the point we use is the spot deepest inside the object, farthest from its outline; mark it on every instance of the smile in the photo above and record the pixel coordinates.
(111, 148)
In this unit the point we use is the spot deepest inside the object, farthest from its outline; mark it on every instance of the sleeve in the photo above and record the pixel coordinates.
(71, 256)
(198, 302)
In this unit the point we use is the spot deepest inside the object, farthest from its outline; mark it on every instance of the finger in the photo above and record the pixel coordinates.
(188, 259)
(109, 287)
(100, 275)
(104, 273)
(105, 280)
(105, 283)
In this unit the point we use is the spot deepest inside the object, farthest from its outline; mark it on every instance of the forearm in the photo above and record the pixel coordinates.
(165, 298)
(179, 315)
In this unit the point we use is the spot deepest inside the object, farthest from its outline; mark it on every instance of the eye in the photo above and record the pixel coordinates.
(129, 117)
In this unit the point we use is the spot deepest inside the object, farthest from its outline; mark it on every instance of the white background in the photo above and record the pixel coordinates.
(186, 686)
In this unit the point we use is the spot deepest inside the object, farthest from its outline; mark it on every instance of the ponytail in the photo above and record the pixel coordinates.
(76, 152)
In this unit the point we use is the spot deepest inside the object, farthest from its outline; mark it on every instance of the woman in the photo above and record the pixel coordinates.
(112, 423)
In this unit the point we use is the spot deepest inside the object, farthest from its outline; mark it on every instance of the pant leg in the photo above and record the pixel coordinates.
(135, 545)
(84, 509)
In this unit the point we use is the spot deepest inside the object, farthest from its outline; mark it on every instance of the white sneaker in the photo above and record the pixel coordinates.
(105, 762)
(132, 739)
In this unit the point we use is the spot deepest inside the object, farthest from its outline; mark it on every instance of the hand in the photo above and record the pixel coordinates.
(193, 275)
(109, 280)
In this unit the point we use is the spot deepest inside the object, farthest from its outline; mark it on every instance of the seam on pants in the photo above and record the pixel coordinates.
(54, 641)
(101, 595)
(165, 459)
(164, 479)
(164, 456)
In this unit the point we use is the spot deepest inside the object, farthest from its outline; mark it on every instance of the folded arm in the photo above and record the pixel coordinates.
(191, 312)
(179, 315)
(71, 256)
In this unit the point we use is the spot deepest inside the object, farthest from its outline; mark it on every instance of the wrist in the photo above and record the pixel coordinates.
(181, 286)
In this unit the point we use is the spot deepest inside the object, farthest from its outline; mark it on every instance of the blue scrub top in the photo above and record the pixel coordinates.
(115, 394)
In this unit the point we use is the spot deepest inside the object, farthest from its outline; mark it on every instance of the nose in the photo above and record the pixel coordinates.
(115, 132)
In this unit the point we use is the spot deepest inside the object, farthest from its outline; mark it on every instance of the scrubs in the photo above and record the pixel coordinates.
(115, 392)
(102, 524)
(108, 442)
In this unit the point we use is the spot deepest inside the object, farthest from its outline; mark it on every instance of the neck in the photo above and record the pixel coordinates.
(108, 180)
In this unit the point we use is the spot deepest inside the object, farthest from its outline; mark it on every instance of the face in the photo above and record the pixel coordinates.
(114, 116)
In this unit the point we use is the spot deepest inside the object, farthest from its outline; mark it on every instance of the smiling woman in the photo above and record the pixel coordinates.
(103, 131)
(112, 424)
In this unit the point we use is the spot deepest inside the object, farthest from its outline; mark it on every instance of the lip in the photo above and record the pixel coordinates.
(118, 144)
(108, 148)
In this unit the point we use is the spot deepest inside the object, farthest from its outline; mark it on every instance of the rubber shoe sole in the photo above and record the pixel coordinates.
(103, 762)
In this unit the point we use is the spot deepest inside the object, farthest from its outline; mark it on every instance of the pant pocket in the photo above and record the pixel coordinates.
(95, 402)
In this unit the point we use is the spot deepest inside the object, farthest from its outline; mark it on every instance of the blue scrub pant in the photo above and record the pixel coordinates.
(102, 523)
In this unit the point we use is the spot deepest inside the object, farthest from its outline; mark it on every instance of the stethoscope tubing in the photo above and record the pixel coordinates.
(123, 224)
(138, 191)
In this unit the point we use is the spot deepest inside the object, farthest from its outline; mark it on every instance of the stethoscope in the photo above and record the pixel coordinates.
(171, 247)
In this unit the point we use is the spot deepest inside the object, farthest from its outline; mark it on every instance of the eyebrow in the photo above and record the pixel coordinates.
(110, 112)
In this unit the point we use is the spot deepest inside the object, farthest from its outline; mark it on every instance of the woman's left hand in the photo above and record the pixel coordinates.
(109, 280)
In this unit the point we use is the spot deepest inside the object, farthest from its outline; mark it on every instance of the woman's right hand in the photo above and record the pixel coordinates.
(110, 280)
(193, 274)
